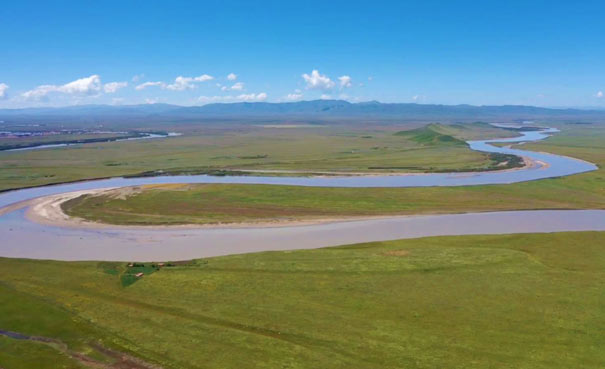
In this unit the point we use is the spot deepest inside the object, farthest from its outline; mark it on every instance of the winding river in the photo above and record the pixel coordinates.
(143, 136)
(24, 238)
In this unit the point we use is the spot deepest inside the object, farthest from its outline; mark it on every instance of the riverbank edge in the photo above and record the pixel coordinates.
(48, 211)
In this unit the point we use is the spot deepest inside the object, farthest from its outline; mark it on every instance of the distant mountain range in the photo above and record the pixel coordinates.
(315, 108)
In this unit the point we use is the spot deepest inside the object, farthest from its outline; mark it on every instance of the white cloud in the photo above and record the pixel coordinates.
(343, 96)
(317, 81)
(345, 81)
(253, 97)
(112, 87)
(137, 77)
(211, 99)
(83, 86)
(294, 96)
(232, 76)
(39, 92)
(117, 101)
(261, 96)
(239, 86)
(325, 97)
(180, 83)
(203, 78)
(3, 88)
(184, 83)
(151, 101)
(143, 86)
(600, 94)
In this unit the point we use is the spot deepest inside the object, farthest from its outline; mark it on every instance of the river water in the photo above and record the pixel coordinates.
(145, 136)
(23, 238)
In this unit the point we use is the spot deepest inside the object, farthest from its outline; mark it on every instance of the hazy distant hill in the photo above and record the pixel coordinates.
(316, 108)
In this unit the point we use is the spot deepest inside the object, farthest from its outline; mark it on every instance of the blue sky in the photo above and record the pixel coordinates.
(547, 53)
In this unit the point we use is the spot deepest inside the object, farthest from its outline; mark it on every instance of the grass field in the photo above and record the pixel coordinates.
(341, 148)
(178, 204)
(517, 301)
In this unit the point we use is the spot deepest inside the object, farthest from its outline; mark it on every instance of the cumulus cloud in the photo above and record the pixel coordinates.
(600, 94)
(345, 81)
(81, 87)
(143, 86)
(325, 97)
(418, 98)
(184, 83)
(112, 87)
(294, 96)
(238, 86)
(253, 97)
(3, 88)
(212, 99)
(232, 76)
(317, 81)
(180, 83)
(137, 77)
(39, 92)
(261, 96)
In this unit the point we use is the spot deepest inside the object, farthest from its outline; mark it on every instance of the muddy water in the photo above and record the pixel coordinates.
(554, 166)
(23, 238)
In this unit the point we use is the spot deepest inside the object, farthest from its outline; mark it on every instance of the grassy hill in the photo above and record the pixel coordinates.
(432, 134)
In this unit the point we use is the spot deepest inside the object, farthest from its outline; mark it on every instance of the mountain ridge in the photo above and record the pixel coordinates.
(309, 107)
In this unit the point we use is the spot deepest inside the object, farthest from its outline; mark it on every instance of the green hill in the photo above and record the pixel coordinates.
(431, 134)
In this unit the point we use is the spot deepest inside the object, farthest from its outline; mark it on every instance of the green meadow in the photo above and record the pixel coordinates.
(207, 149)
(515, 301)
(202, 204)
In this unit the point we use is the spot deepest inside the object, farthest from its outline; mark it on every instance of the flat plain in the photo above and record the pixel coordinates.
(517, 301)
(514, 301)
(214, 147)
(210, 203)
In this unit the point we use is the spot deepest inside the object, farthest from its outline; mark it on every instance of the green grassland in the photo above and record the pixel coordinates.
(201, 149)
(199, 204)
(515, 301)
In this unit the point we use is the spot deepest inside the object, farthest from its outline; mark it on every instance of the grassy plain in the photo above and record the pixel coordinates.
(340, 148)
(178, 204)
(516, 301)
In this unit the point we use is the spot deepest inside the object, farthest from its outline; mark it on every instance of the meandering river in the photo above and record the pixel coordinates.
(24, 238)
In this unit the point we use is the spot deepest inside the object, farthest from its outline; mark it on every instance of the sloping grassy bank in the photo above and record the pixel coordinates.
(516, 301)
